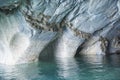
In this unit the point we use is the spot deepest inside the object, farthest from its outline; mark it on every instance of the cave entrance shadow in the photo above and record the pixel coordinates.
(48, 53)
(77, 54)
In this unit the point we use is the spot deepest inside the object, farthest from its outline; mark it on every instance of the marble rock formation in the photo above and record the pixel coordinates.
(31, 30)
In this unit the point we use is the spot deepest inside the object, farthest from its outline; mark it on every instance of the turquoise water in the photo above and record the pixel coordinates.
(92, 67)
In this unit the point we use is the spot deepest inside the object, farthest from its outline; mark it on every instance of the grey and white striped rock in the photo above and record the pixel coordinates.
(31, 30)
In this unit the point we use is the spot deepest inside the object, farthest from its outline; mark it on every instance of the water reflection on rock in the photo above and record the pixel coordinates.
(113, 60)
(67, 68)
(93, 59)
(87, 67)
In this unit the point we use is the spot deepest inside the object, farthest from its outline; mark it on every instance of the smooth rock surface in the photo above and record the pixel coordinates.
(57, 28)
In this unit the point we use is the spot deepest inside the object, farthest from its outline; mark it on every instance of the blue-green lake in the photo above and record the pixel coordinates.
(91, 67)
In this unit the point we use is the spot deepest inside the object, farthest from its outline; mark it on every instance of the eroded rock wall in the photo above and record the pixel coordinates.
(31, 29)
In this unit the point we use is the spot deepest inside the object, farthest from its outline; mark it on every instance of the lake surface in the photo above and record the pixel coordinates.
(91, 67)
